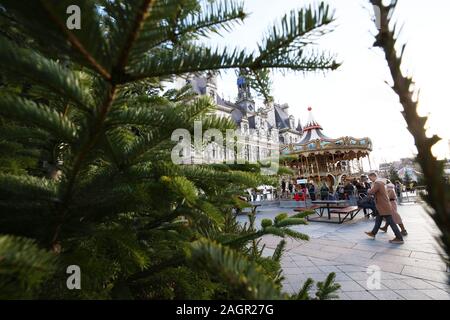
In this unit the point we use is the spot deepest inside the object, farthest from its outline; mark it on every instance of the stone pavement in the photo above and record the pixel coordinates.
(412, 271)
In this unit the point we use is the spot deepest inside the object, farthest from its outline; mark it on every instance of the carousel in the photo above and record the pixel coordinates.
(319, 158)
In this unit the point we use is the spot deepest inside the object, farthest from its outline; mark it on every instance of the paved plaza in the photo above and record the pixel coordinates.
(412, 271)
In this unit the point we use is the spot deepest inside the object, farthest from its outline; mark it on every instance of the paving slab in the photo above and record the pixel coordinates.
(437, 294)
(414, 270)
(412, 294)
(361, 295)
(386, 295)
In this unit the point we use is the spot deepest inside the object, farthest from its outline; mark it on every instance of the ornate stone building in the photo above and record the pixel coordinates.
(266, 126)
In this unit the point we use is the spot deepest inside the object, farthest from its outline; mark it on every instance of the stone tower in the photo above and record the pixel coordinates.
(245, 99)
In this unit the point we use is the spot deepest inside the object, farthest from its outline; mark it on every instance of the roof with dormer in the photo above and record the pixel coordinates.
(282, 118)
(238, 111)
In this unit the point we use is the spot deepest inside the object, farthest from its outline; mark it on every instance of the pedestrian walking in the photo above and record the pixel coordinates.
(384, 209)
(395, 215)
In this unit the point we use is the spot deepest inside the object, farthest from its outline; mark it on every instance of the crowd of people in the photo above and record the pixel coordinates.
(349, 189)
(379, 195)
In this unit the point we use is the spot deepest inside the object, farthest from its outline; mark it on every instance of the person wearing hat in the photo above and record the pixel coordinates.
(390, 187)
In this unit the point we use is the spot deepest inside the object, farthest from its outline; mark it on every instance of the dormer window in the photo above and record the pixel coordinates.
(291, 122)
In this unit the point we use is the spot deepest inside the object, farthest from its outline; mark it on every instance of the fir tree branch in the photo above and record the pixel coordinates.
(438, 190)
(77, 45)
(95, 134)
(138, 22)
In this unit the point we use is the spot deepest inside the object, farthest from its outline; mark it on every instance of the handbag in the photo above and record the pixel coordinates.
(368, 202)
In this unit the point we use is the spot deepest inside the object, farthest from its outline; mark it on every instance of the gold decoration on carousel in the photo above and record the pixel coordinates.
(313, 143)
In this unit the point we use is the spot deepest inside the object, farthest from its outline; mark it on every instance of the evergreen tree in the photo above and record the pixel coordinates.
(407, 179)
(88, 179)
(393, 174)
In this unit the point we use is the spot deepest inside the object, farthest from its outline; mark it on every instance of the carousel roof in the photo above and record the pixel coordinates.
(314, 141)
(312, 130)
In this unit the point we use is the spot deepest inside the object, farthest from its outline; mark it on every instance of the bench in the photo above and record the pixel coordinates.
(318, 209)
(348, 212)
(313, 207)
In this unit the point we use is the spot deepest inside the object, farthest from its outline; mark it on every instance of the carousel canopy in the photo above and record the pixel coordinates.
(312, 130)
(314, 141)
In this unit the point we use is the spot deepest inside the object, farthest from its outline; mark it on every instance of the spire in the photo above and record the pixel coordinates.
(243, 88)
(244, 100)
(312, 130)
(299, 126)
(311, 123)
(211, 85)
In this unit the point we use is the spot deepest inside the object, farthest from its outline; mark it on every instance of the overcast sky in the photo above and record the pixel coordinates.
(355, 100)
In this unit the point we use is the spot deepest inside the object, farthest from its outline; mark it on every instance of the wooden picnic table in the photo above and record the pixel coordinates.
(327, 204)
(348, 212)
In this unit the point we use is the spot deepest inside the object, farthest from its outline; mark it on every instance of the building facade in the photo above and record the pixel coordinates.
(265, 127)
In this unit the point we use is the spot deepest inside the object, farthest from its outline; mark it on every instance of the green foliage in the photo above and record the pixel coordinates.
(303, 293)
(407, 179)
(325, 290)
(393, 174)
(244, 277)
(303, 214)
(177, 283)
(88, 173)
(278, 253)
(23, 110)
(266, 223)
(280, 217)
(23, 267)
